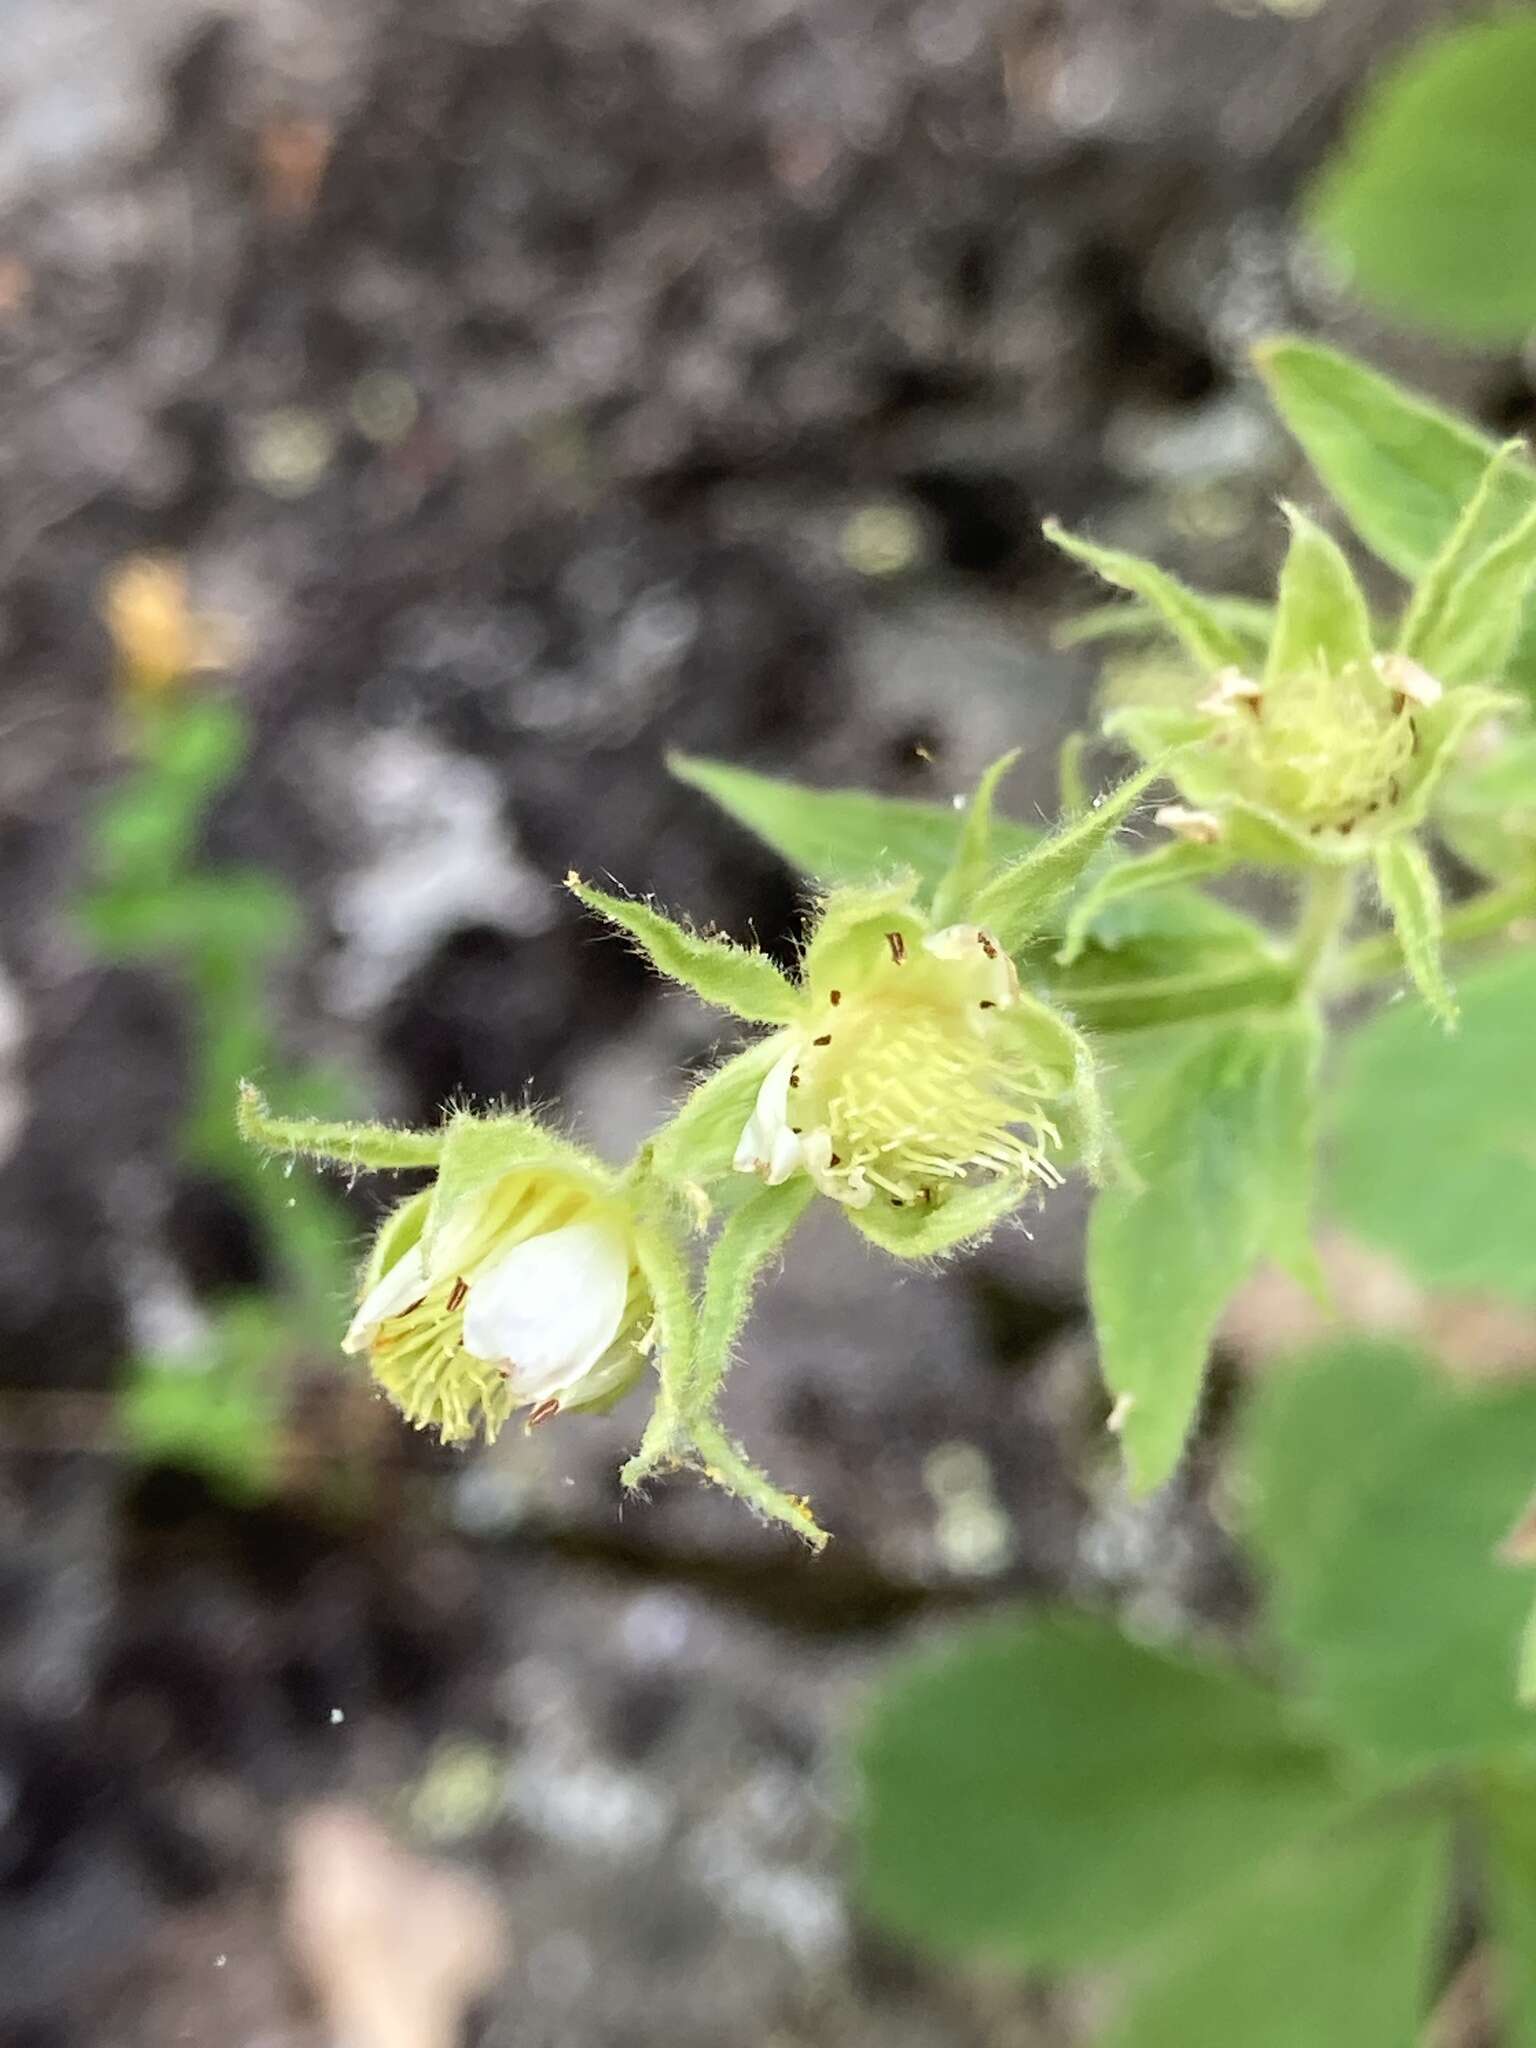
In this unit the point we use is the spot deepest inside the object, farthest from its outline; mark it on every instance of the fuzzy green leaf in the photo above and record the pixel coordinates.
(1333, 1943)
(1380, 1494)
(973, 856)
(1047, 1793)
(1402, 468)
(1021, 900)
(1431, 202)
(1412, 896)
(731, 977)
(1195, 624)
(1433, 1154)
(1322, 619)
(837, 836)
(1217, 1122)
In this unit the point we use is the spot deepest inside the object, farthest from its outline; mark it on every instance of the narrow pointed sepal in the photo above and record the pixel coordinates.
(1412, 897)
(729, 976)
(361, 1148)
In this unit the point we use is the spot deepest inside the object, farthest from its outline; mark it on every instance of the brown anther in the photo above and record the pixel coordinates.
(1346, 828)
(456, 1294)
(794, 1079)
(925, 1194)
(898, 946)
(1399, 703)
(543, 1413)
(897, 1202)
(835, 1159)
(408, 1311)
(825, 1039)
(987, 1003)
(986, 945)
(835, 998)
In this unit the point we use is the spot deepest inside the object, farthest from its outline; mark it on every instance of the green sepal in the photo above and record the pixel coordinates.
(698, 1145)
(1195, 624)
(361, 1148)
(1321, 620)
(838, 836)
(1474, 633)
(731, 977)
(479, 1150)
(684, 1431)
(973, 856)
(1019, 901)
(924, 1230)
(1483, 519)
(1245, 618)
(1180, 861)
(835, 952)
(1412, 897)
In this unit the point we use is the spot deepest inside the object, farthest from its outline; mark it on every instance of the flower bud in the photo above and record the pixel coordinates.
(526, 1293)
(921, 1067)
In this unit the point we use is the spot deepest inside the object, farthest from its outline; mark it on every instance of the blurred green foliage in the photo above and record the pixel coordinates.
(1263, 1864)
(1431, 204)
(150, 900)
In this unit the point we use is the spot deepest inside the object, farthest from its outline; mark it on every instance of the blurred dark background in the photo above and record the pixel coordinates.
(527, 387)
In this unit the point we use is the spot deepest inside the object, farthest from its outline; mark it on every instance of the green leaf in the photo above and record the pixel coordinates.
(1333, 1943)
(1433, 1154)
(1197, 627)
(837, 836)
(1020, 900)
(1048, 1793)
(1402, 468)
(1430, 206)
(1244, 617)
(1217, 1122)
(973, 856)
(1507, 1814)
(1322, 619)
(731, 977)
(217, 1413)
(1380, 1492)
(1412, 896)
(1179, 861)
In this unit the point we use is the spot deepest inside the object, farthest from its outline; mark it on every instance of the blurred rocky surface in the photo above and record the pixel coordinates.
(531, 386)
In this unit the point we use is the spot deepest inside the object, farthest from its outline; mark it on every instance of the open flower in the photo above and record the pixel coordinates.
(920, 1067)
(527, 1294)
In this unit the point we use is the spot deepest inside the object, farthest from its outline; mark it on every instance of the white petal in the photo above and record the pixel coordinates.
(551, 1306)
(768, 1146)
(1399, 672)
(403, 1284)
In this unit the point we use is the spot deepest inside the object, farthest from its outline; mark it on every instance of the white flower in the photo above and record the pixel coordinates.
(901, 1086)
(529, 1295)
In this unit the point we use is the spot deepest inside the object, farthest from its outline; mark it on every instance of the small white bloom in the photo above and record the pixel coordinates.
(551, 1307)
(768, 1146)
